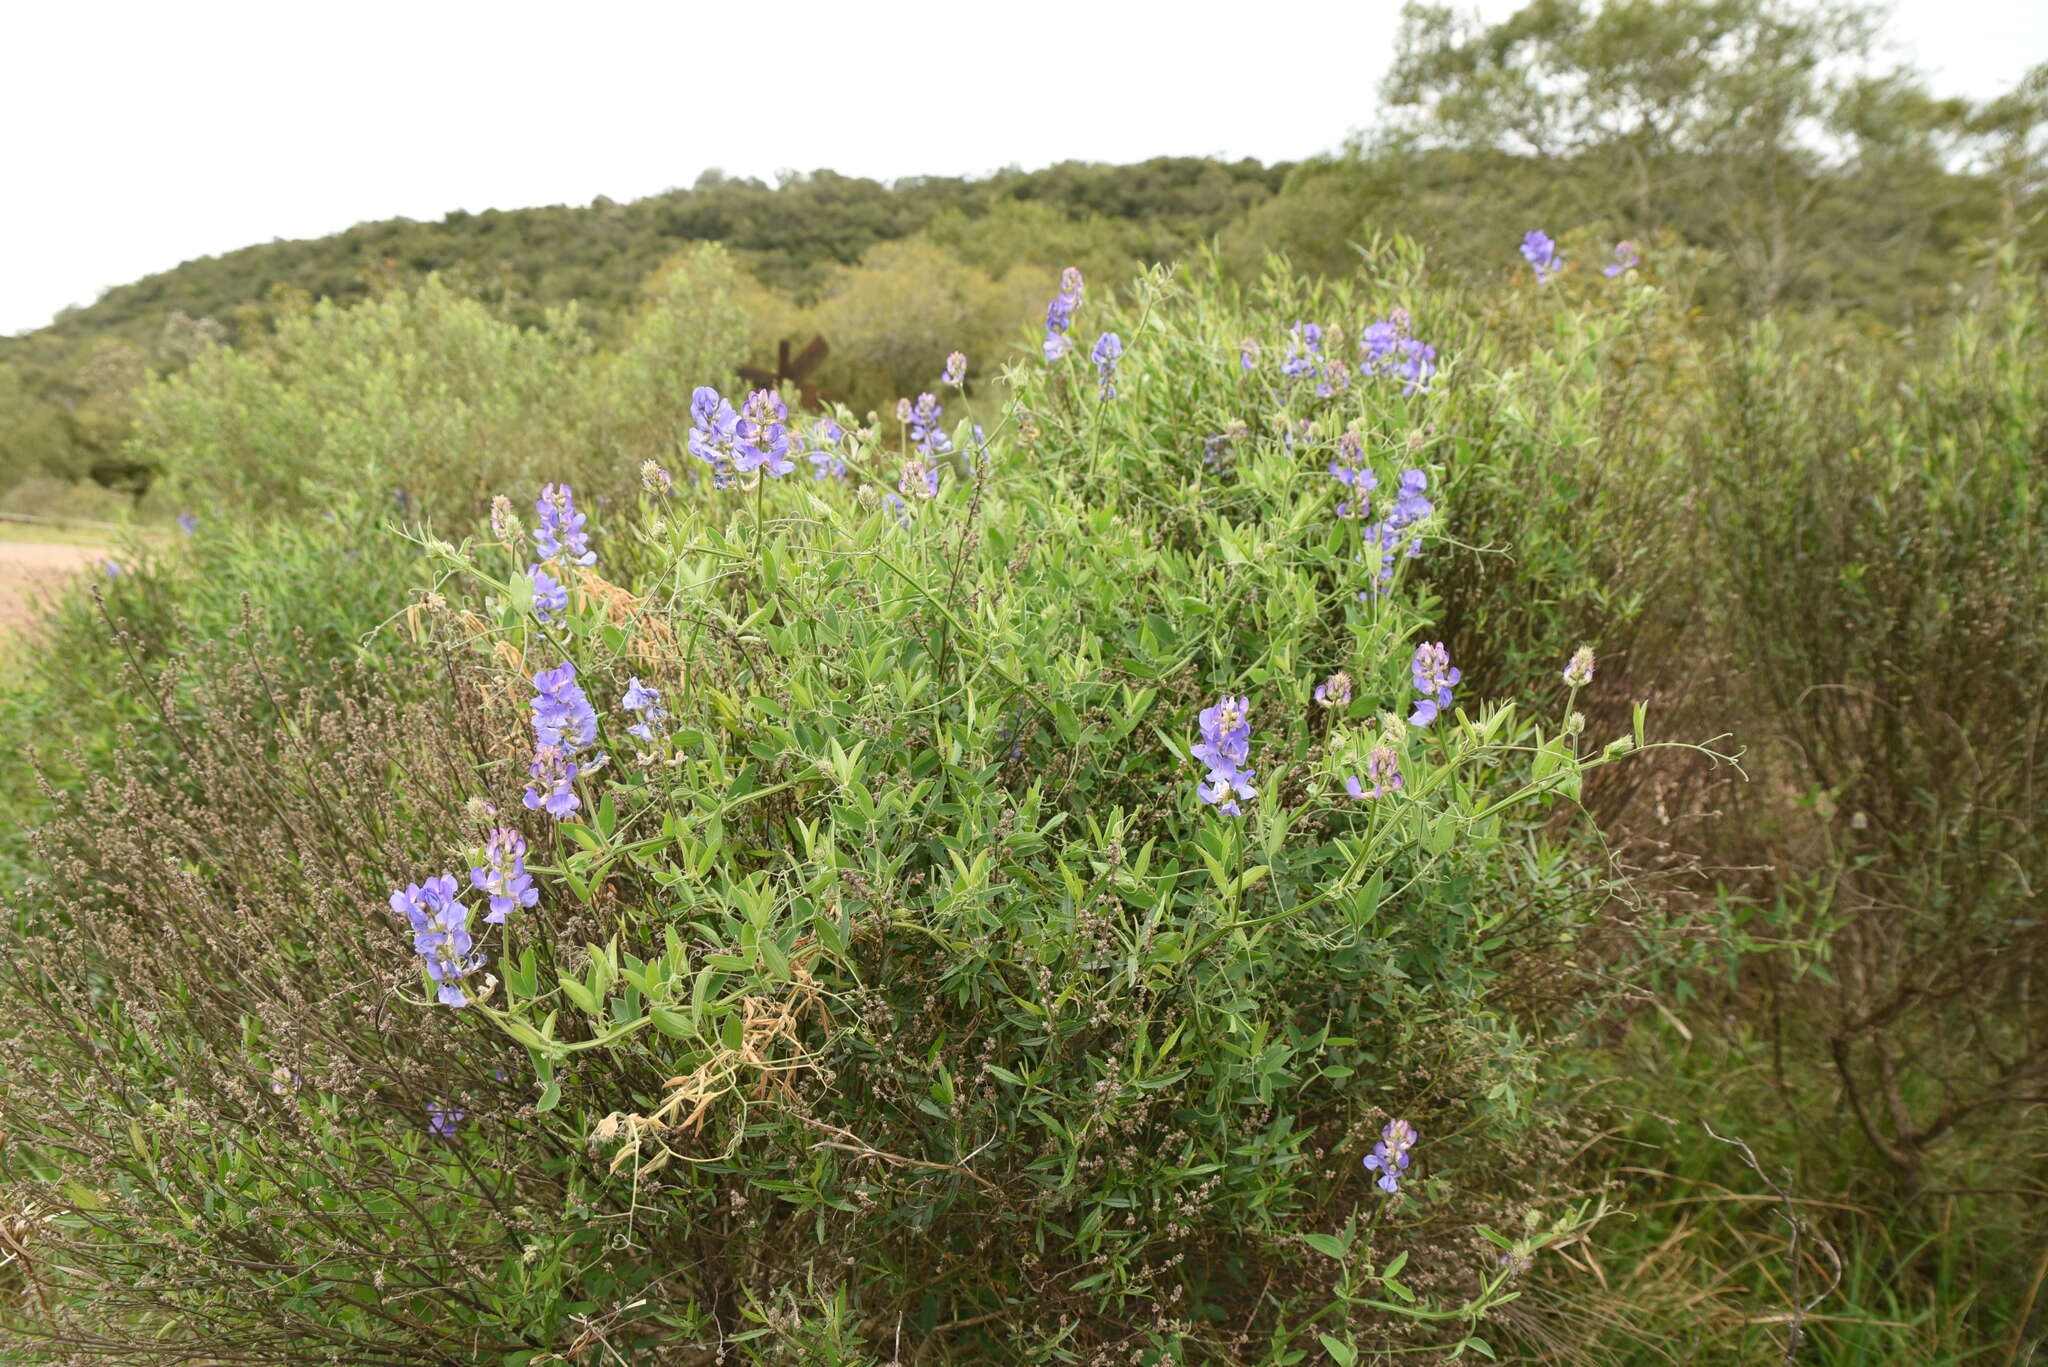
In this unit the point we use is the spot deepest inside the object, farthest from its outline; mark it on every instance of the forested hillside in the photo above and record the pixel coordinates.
(1799, 173)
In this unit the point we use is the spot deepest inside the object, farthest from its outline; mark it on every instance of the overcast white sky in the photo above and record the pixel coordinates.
(139, 136)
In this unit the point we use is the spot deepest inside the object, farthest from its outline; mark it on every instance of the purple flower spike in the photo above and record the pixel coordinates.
(1434, 677)
(647, 702)
(561, 527)
(762, 439)
(440, 934)
(1224, 747)
(1059, 314)
(553, 786)
(1109, 348)
(562, 714)
(922, 418)
(1382, 770)
(1541, 254)
(550, 599)
(502, 876)
(1389, 1157)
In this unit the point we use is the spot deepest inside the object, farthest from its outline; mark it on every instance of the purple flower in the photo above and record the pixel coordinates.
(714, 434)
(1304, 357)
(561, 527)
(1334, 691)
(1224, 747)
(1059, 314)
(1349, 471)
(1389, 1157)
(562, 715)
(553, 786)
(1578, 671)
(1382, 770)
(923, 421)
(440, 934)
(828, 460)
(1626, 258)
(442, 1120)
(762, 439)
(981, 462)
(187, 523)
(1108, 348)
(503, 876)
(1416, 365)
(1434, 678)
(430, 907)
(1386, 348)
(550, 599)
(113, 568)
(955, 373)
(646, 701)
(1247, 354)
(1541, 254)
(1410, 503)
(654, 479)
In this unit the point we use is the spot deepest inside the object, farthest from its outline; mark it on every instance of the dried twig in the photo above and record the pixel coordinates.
(1795, 1322)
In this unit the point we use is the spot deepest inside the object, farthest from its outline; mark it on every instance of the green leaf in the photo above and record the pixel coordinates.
(698, 992)
(671, 1023)
(585, 999)
(550, 1096)
(1341, 1353)
(1329, 1245)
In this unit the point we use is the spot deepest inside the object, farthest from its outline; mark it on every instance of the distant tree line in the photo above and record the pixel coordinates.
(1797, 170)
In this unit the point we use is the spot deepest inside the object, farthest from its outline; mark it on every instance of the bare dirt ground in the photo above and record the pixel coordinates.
(33, 569)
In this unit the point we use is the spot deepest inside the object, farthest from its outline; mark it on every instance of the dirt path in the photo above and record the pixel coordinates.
(32, 569)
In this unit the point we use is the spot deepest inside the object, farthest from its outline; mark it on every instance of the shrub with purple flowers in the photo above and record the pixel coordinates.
(898, 928)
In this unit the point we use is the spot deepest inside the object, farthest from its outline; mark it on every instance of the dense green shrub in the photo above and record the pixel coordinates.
(298, 597)
(898, 995)
(896, 987)
(353, 407)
